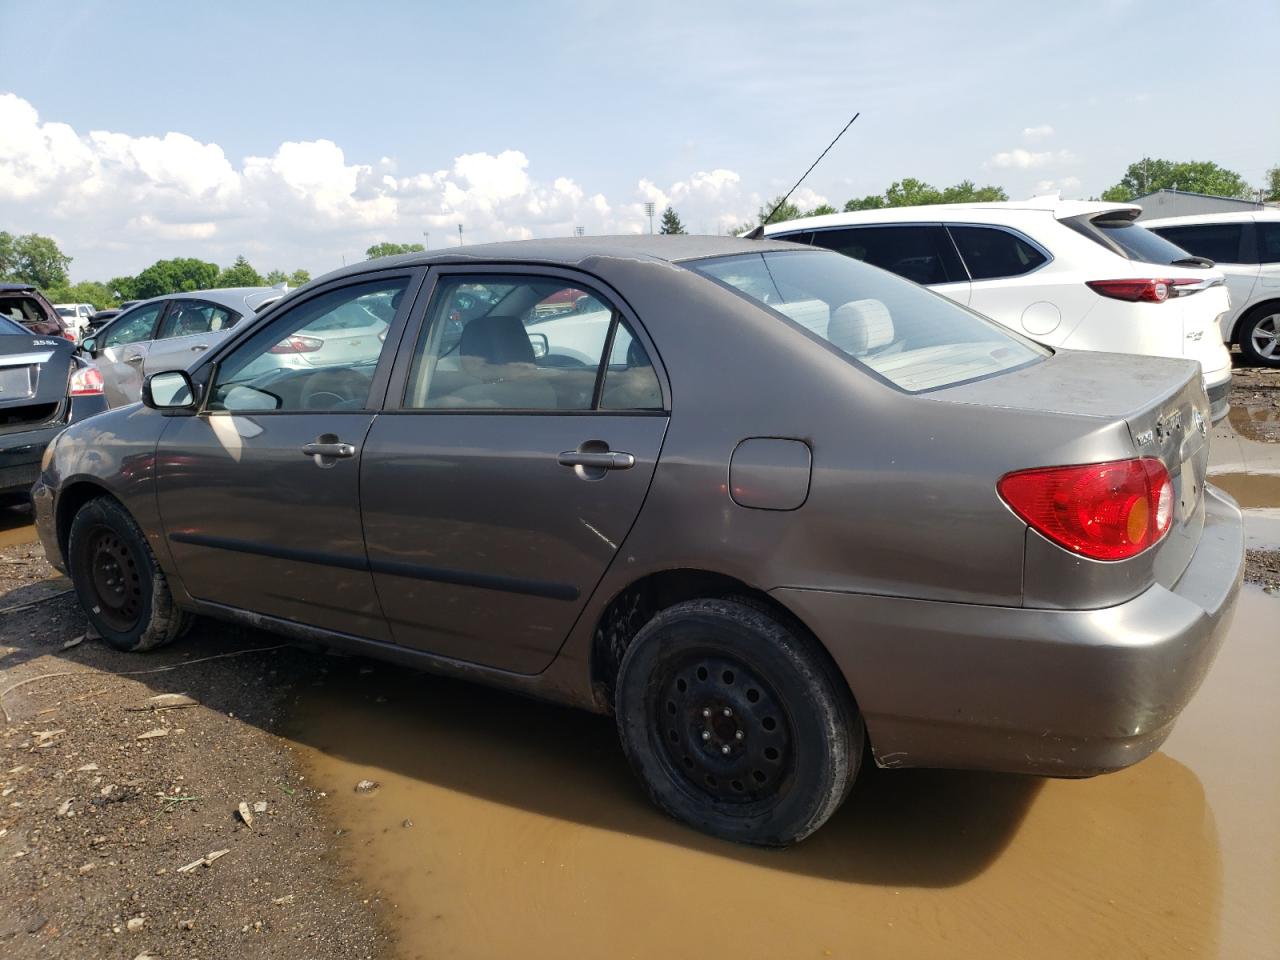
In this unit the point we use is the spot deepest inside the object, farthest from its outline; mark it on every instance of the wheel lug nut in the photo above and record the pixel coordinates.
(706, 711)
(728, 712)
(739, 735)
(706, 734)
(725, 749)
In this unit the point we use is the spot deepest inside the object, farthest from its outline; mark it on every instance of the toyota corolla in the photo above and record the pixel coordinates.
(776, 510)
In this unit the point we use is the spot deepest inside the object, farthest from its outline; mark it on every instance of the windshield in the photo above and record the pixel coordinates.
(66, 311)
(909, 336)
(1139, 243)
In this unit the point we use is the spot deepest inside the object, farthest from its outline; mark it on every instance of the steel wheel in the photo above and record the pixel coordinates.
(1265, 337)
(723, 729)
(115, 578)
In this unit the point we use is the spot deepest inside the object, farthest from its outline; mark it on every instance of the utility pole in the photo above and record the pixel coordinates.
(579, 231)
(459, 234)
(426, 239)
(648, 209)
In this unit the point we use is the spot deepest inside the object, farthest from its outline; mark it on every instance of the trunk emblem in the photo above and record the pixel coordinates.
(1197, 420)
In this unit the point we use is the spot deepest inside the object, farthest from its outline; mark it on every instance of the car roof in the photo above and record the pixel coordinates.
(575, 251)
(240, 299)
(1235, 216)
(16, 287)
(994, 212)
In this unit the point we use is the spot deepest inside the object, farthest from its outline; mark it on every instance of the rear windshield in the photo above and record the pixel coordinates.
(908, 336)
(1135, 241)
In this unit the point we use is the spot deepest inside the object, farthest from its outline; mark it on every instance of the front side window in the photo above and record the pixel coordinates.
(915, 252)
(186, 318)
(318, 355)
(991, 254)
(1219, 242)
(134, 327)
(913, 338)
(516, 342)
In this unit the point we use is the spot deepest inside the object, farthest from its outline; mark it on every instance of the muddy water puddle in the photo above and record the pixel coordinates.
(529, 837)
(15, 526)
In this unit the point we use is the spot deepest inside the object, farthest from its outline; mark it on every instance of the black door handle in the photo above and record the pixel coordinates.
(606, 460)
(327, 452)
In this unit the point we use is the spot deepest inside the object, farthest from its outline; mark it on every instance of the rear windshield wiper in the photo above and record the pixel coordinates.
(1192, 262)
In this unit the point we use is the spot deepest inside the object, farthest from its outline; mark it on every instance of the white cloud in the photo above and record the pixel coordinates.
(116, 202)
(1026, 160)
(1037, 133)
(1065, 185)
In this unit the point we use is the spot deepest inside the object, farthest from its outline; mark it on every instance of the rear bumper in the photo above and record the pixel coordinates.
(1054, 692)
(1218, 387)
(20, 455)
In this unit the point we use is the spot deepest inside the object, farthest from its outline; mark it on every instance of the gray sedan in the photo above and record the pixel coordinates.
(766, 505)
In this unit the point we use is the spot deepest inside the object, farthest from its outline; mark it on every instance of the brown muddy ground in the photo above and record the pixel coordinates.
(94, 822)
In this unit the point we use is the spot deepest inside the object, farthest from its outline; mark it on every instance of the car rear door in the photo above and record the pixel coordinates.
(1002, 264)
(259, 492)
(520, 435)
(121, 350)
(189, 328)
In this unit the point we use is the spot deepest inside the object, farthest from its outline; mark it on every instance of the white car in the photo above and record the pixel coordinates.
(1074, 274)
(76, 315)
(1245, 247)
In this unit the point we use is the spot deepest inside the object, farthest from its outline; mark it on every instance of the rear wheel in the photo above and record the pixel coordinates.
(737, 723)
(120, 585)
(1260, 336)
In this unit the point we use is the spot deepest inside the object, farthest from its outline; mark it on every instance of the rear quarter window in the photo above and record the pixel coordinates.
(1219, 242)
(990, 253)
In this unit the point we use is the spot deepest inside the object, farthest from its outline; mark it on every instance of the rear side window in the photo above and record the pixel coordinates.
(991, 254)
(187, 318)
(914, 339)
(1219, 242)
(1269, 242)
(1133, 241)
(919, 253)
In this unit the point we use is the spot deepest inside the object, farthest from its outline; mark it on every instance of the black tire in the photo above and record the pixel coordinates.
(772, 769)
(120, 585)
(1267, 317)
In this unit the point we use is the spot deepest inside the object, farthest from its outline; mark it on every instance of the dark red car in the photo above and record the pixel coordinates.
(27, 305)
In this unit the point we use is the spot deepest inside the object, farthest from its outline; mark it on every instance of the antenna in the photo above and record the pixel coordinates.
(758, 232)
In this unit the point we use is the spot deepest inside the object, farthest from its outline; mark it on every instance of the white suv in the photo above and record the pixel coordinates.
(75, 315)
(1073, 274)
(1246, 247)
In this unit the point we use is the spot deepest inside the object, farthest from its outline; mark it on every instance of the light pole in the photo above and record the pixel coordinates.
(579, 231)
(648, 209)
(426, 239)
(459, 234)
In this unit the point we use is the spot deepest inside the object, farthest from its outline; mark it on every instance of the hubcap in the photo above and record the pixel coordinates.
(117, 583)
(1266, 337)
(723, 729)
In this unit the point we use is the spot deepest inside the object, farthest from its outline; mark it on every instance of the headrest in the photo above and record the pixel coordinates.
(860, 326)
(496, 340)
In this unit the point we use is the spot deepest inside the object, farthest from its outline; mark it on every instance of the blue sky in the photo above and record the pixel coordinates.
(299, 133)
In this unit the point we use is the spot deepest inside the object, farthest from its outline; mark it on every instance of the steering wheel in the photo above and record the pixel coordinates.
(325, 389)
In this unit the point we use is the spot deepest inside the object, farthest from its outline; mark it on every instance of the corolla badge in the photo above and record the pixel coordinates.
(1167, 426)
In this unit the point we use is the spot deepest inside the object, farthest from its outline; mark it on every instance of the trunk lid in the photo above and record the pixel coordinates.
(1162, 402)
(34, 371)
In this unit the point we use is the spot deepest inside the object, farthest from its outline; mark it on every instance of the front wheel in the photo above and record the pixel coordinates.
(1260, 336)
(737, 723)
(120, 585)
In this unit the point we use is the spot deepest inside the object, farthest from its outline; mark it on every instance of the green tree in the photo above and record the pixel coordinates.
(86, 291)
(821, 210)
(36, 259)
(124, 288)
(6, 254)
(1270, 190)
(1194, 176)
(910, 192)
(276, 276)
(671, 222)
(966, 192)
(873, 201)
(391, 249)
(787, 211)
(299, 277)
(171, 276)
(239, 274)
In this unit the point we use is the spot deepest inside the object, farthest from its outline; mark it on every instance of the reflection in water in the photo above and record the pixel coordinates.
(15, 525)
(530, 838)
(1256, 422)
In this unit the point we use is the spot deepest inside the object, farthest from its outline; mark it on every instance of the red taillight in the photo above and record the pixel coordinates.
(69, 335)
(298, 344)
(85, 382)
(1136, 291)
(1104, 511)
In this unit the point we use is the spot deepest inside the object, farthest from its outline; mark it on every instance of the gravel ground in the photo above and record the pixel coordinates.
(1255, 399)
(97, 819)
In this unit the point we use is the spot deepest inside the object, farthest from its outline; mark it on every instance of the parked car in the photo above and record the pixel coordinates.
(75, 315)
(43, 387)
(790, 503)
(1065, 273)
(167, 332)
(1245, 247)
(26, 305)
(100, 320)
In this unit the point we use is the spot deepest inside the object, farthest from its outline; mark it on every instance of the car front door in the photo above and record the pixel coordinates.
(189, 328)
(520, 435)
(121, 352)
(259, 492)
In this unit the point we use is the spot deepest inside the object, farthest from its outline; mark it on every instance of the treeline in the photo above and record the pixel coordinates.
(37, 260)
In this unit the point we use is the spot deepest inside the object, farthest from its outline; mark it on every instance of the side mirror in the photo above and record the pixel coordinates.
(541, 345)
(170, 390)
(90, 346)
